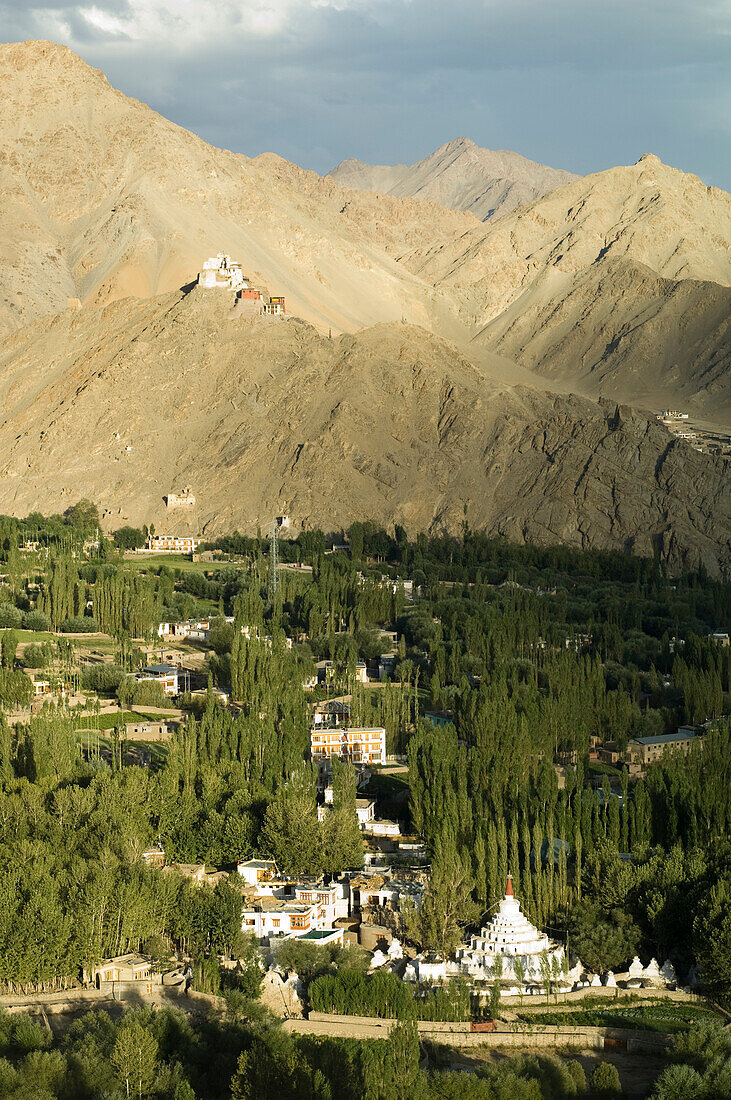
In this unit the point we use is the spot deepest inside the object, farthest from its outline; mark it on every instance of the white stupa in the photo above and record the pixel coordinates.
(511, 936)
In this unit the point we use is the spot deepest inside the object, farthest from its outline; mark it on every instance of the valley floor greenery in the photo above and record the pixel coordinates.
(528, 655)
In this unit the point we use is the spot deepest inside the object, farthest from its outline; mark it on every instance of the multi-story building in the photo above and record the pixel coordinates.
(355, 745)
(648, 750)
(164, 675)
(173, 544)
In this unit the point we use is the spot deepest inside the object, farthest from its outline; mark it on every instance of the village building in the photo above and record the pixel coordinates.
(172, 544)
(167, 676)
(327, 672)
(272, 918)
(186, 499)
(354, 745)
(154, 857)
(510, 936)
(220, 272)
(257, 871)
(648, 750)
(365, 809)
(384, 890)
(387, 666)
(195, 872)
(129, 970)
(147, 731)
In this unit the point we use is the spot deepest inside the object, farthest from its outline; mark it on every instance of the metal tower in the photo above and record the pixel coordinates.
(273, 562)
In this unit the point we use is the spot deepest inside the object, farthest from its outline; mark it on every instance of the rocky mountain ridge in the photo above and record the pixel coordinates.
(485, 182)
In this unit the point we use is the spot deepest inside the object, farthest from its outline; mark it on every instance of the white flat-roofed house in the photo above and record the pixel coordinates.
(365, 809)
(383, 827)
(355, 745)
(332, 901)
(129, 968)
(186, 499)
(256, 871)
(382, 891)
(267, 917)
(154, 857)
(220, 272)
(164, 675)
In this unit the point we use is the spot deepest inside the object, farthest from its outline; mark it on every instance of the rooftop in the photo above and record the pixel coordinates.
(665, 738)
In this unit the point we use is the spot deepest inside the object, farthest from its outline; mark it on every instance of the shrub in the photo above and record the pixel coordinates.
(34, 656)
(129, 538)
(577, 1075)
(146, 693)
(102, 678)
(605, 1082)
(10, 615)
(80, 624)
(28, 1035)
(679, 1083)
(36, 620)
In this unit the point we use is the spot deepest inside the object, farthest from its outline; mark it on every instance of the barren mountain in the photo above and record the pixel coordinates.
(103, 198)
(139, 397)
(616, 285)
(461, 175)
(605, 285)
(617, 282)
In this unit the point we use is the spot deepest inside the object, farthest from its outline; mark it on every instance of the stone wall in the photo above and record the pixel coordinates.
(505, 1035)
(538, 999)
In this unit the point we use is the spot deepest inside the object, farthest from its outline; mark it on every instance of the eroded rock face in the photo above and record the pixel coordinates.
(394, 424)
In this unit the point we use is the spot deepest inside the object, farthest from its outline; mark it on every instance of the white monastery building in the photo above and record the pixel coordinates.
(220, 272)
(172, 544)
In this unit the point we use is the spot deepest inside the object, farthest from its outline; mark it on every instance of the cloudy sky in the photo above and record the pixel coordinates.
(578, 84)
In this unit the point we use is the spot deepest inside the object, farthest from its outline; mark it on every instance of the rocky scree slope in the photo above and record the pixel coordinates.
(139, 397)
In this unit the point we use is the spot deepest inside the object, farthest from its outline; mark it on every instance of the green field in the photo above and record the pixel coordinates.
(667, 1017)
(109, 721)
(35, 635)
(177, 561)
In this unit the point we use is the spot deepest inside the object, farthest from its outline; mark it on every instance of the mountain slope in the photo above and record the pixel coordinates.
(461, 175)
(609, 282)
(104, 198)
(618, 327)
(262, 417)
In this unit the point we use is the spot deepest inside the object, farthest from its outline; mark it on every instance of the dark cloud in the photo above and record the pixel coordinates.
(580, 84)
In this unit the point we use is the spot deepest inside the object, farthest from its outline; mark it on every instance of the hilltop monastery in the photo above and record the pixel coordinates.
(220, 272)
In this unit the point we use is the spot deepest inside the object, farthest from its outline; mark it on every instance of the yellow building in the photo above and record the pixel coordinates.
(355, 746)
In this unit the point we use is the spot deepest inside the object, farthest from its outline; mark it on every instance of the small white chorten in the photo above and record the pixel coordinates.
(636, 968)
(667, 970)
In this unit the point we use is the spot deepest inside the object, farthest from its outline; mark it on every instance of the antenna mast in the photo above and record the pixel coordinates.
(273, 562)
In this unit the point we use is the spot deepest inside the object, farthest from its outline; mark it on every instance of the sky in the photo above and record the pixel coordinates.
(577, 84)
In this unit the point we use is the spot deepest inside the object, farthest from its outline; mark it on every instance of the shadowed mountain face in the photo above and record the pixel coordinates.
(266, 416)
(615, 286)
(461, 175)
